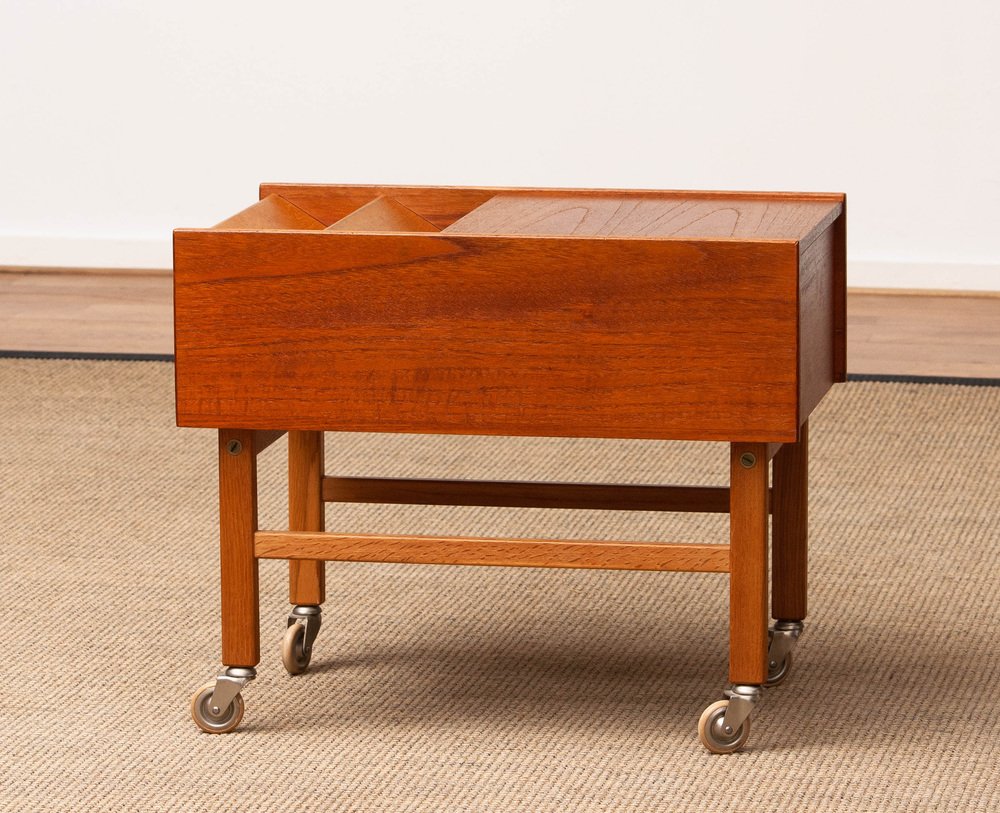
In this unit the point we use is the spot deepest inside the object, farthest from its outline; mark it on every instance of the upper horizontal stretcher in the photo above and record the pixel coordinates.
(539, 312)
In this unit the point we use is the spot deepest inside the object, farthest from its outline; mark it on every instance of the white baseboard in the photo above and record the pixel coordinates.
(932, 276)
(85, 252)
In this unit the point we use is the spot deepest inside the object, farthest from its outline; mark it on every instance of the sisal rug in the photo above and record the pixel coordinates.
(482, 689)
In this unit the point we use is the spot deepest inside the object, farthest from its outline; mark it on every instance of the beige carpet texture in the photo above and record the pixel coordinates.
(490, 689)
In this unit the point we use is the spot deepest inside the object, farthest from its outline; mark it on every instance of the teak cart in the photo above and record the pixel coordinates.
(713, 316)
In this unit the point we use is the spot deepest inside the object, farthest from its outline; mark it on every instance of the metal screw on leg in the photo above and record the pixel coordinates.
(748, 460)
(234, 447)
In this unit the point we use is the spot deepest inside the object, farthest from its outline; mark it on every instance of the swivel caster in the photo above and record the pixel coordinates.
(781, 639)
(304, 622)
(725, 725)
(218, 707)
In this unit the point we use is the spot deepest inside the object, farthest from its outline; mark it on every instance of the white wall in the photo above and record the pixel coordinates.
(123, 120)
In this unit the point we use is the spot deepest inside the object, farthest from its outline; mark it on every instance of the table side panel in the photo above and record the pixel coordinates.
(818, 300)
(840, 294)
(487, 335)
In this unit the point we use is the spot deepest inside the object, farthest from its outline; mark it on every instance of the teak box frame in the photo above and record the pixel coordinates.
(287, 320)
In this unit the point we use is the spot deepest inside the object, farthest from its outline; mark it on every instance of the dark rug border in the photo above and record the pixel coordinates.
(924, 379)
(883, 378)
(63, 355)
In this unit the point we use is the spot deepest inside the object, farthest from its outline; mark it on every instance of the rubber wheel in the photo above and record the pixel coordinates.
(293, 655)
(713, 737)
(222, 723)
(777, 675)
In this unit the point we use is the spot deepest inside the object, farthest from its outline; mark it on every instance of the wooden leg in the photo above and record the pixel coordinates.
(790, 529)
(748, 512)
(238, 522)
(306, 577)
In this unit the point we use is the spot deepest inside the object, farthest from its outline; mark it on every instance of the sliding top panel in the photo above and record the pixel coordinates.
(647, 216)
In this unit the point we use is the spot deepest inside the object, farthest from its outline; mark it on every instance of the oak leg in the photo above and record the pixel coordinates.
(790, 529)
(238, 522)
(748, 512)
(306, 577)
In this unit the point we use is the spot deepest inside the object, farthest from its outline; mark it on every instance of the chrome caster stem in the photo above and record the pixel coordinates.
(304, 622)
(228, 685)
(782, 638)
(309, 616)
(742, 699)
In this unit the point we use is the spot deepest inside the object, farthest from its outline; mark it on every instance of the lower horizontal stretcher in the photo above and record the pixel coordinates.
(458, 550)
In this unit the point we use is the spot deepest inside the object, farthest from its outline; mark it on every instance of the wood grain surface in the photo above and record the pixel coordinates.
(438, 205)
(817, 321)
(953, 335)
(790, 529)
(633, 216)
(272, 212)
(443, 205)
(238, 565)
(429, 550)
(593, 496)
(383, 214)
(306, 578)
(487, 335)
(86, 313)
(748, 612)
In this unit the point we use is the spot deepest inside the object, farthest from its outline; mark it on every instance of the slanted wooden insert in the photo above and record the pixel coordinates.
(273, 212)
(383, 214)
(440, 206)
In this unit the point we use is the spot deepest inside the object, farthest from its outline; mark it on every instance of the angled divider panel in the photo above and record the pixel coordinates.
(273, 212)
(383, 214)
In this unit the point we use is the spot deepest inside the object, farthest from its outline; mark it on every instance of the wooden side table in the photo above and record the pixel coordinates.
(543, 312)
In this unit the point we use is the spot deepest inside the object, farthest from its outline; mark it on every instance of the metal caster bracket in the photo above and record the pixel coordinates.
(742, 699)
(309, 616)
(228, 685)
(784, 635)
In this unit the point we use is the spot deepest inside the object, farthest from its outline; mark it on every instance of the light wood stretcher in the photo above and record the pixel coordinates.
(716, 316)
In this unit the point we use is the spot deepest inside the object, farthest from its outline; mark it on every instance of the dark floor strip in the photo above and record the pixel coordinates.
(60, 354)
(925, 379)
